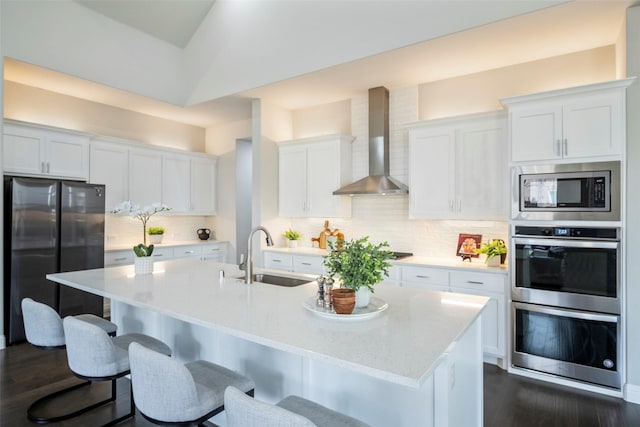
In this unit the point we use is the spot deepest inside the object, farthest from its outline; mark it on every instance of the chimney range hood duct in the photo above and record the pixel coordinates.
(378, 181)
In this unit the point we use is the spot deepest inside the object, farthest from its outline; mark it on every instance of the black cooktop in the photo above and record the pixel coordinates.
(400, 255)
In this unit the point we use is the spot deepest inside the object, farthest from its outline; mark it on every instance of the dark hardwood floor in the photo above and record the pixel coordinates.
(27, 373)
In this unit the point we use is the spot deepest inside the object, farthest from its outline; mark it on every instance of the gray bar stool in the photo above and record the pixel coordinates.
(43, 329)
(244, 411)
(95, 356)
(169, 393)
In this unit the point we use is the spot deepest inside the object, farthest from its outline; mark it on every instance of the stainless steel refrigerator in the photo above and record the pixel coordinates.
(50, 227)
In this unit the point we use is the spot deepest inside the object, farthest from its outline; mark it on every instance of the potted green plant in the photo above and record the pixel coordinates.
(360, 265)
(155, 234)
(495, 250)
(143, 261)
(292, 237)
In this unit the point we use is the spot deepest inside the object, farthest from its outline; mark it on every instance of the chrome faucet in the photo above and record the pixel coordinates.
(249, 264)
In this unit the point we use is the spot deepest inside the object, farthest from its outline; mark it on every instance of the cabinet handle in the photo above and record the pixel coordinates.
(42, 167)
(189, 252)
(422, 277)
(277, 260)
(48, 164)
(451, 205)
(214, 249)
(305, 263)
(473, 282)
(124, 258)
(558, 152)
(565, 147)
(460, 205)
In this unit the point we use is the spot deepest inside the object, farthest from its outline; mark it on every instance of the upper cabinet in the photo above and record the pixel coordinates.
(46, 152)
(310, 170)
(585, 123)
(186, 182)
(458, 168)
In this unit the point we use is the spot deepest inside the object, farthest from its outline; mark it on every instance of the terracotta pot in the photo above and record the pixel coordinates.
(344, 300)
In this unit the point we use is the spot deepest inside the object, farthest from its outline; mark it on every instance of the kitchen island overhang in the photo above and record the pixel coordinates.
(407, 346)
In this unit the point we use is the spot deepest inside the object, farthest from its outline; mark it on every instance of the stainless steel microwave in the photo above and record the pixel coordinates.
(582, 191)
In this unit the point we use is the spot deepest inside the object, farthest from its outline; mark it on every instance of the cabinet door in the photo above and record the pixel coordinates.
(145, 177)
(323, 178)
(308, 264)
(23, 150)
(216, 252)
(536, 132)
(124, 257)
(431, 169)
(109, 165)
(278, 261)
(482, 183)
(203, 186)
(67, 155)
(593, 126)
(435, 279)
(292, 188)
(176, 182)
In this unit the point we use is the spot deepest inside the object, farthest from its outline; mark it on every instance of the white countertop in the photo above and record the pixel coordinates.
(476, 264)
(402, 345)
(165, 244)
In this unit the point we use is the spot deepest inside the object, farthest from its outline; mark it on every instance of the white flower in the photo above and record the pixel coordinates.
(143, 214)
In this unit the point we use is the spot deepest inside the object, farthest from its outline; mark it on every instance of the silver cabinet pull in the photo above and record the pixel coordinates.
(566, 149)
(277, 260)
(214, 249)
(189, 252)
(42, 167)
(158, 254)
(473, 282)
(48, 164)
(422, 277)
(120, 259)
(558, 149)
(306, 263)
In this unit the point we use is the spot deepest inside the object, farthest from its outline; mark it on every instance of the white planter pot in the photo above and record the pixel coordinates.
(143, 265)
(154, 239)
(363, 295)
(494, 261)
(292, 243)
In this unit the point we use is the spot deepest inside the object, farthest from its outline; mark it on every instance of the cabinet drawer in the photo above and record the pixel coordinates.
(394, 276)
(160, 254)
(187, 251)
(278, 261)
(478, 281)
(214, 253)
(124, 257)
(308, 264)
(425, 275)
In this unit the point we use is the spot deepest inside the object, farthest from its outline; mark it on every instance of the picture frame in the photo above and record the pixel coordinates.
(467, 244)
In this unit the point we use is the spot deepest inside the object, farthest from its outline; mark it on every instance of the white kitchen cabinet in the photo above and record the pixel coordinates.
(203, 179)
(145, 176)
(278, 261)
(162, 253)
(215, 251)
(310, 170)
(176, 182)
(121, 257)
(44, 152)
(458, 168)
(574, 124)
(309, 264)
(434, 279)
(109, 165)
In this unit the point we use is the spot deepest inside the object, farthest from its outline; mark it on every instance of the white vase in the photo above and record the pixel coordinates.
(154, 239)
(494, 261)
(363, 295)
(292, 243)
(143, 265)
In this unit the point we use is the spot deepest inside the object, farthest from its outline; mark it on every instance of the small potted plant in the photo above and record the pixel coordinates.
(292, 237)
(155, 234)
(495, 250)
(360, 265)
(143, 261)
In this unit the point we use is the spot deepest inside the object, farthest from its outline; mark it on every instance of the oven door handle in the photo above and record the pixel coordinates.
(598, 317)
(567, 243)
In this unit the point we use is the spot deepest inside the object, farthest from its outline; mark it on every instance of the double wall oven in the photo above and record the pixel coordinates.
(566, 276)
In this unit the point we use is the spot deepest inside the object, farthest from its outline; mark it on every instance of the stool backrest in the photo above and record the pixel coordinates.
(245, 411)
(42, 324)
(90, 350)
(164, 388)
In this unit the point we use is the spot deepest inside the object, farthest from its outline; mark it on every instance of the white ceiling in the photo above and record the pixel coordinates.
(570, 27)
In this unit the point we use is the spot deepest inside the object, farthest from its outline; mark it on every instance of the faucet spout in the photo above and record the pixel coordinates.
(249, 263)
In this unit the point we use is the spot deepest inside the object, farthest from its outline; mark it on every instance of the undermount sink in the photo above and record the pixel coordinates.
(271, 279)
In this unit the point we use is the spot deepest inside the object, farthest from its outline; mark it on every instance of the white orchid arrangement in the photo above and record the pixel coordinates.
(143, 214)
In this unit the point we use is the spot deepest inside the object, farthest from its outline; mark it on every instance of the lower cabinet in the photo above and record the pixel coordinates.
(216, 252)
(308, 264)
(492, 285)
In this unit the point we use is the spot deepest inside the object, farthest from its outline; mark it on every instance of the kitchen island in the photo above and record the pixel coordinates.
(419, 362)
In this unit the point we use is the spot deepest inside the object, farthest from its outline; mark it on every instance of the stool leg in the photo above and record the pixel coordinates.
(132, 410)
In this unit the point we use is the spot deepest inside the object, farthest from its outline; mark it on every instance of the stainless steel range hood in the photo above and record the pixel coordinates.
(378, 181)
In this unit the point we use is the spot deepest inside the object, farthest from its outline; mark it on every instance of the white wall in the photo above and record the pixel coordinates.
(31, 104)
(329, 118)
(633, 206)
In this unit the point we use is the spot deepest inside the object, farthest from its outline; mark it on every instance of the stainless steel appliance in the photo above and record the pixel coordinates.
(50, 226)
(581, 191)
(566, 293)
